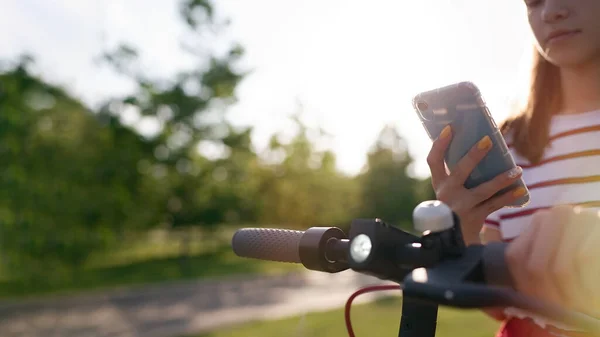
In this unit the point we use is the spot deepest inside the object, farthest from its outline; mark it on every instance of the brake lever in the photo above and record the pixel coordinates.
(466, 283)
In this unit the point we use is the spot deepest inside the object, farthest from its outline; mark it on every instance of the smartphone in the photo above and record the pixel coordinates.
(462, 106)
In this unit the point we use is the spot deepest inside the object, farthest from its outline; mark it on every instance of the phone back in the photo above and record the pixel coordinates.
(462, 106)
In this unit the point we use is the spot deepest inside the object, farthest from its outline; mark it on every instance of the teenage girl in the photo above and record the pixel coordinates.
(555, 140)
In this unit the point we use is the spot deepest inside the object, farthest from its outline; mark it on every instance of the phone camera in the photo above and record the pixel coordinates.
(422, 106)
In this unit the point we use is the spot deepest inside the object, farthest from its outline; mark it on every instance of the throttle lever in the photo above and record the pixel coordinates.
(477, 280)
(495, 268)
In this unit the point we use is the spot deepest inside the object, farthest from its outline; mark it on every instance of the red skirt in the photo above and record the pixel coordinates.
(516, 327)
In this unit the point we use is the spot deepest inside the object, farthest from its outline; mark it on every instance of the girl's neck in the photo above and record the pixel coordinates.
(580, 89)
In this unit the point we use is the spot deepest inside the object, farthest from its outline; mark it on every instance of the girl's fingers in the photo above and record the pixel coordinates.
(485, 191)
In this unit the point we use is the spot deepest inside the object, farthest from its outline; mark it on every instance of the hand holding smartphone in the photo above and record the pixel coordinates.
(483, 174)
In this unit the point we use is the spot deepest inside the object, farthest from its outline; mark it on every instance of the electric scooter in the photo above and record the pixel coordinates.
(433, 269)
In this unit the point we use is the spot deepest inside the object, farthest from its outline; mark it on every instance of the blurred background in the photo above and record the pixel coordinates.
(137, 136)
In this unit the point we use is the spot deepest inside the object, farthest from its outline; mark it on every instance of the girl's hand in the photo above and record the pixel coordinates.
(471, 205)
(556, 258)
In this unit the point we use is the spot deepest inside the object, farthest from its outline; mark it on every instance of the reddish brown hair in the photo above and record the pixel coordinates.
(530, 126)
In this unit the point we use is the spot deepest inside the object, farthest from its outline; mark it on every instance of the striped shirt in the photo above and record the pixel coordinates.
(569, 172)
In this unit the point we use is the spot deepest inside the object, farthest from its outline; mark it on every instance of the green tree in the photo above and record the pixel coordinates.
(303, 188)
(424, 190)
(190, 109)
(230, 184)
(387, 192)
(69, 182)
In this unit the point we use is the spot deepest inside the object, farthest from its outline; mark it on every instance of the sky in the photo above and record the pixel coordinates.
(353, 66)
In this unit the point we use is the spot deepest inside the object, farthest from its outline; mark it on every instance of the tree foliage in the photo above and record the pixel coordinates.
(304, 188)
(189, 109)
(69, 181)
(75, 179)
(387, 191)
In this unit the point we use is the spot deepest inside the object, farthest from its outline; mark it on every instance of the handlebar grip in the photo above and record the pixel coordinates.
(495, 269)
(281, 245)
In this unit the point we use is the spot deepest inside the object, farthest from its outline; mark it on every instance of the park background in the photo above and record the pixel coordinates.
(137, 136)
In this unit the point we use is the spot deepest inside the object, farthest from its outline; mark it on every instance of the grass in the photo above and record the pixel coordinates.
(216, 264)
(147, 261)
(379, 318)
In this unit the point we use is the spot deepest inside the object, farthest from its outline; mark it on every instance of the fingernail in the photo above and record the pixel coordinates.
(445, 132)
(520, 191)
(514, 172)
(484, 143)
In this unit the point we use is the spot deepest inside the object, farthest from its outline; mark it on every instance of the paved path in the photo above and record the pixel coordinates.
(183, 308)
